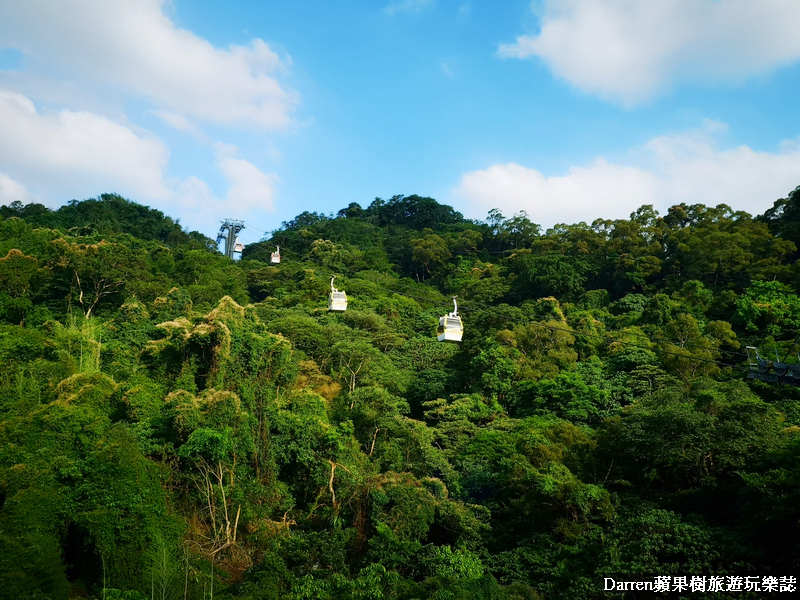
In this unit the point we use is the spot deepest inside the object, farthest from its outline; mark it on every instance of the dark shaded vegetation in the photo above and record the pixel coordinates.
(177, 425)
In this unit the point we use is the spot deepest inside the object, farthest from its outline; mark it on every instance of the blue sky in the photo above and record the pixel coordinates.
(568, 109)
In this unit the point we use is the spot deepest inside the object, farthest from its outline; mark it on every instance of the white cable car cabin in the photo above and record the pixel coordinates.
(275, 257)
(450, 326)
(337, 301)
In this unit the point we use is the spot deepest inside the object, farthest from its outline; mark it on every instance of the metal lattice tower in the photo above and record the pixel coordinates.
(228, 231)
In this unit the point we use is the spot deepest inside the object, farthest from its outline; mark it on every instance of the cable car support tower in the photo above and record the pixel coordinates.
(774, 371)
(228, 232)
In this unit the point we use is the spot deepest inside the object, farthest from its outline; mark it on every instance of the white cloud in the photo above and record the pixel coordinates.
(688, 167)
(630, 50)
(585, 193)
(77, 153)
(13, 191)
(250, 188)
(81, 58)
(67, 154)
(250, 191)
(198, 206)
(180, 123)
(407, 6)
(133, 45)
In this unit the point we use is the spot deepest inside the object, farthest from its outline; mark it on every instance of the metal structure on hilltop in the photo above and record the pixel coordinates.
(773, 371)
(228, 232)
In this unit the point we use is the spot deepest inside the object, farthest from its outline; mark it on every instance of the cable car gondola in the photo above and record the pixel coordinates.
(450, 326)
(275, 257)
(772, 371)
(337, 301)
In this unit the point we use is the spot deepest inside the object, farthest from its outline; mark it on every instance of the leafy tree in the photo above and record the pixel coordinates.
(783, 218)
(769, 307)
(693, 353)
(547, 275)
(566, 395)
(431, 253)
(97, 272)
(476, 280)
(207, 427)
(692, 440)
(16, 273)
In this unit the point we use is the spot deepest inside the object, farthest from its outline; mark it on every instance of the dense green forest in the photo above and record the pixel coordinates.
(177, 425)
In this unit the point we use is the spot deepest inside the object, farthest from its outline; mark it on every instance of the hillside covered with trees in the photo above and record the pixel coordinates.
(177, 425)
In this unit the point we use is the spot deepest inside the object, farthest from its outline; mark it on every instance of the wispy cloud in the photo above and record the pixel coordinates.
(629, 51)
(133, 46)
(76, 144)
(686, 167)
(78, 151)
(249, 187)
(13, 191)
(82, 154)
(181, 123)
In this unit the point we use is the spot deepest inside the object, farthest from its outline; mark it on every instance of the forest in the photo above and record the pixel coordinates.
(178, 425)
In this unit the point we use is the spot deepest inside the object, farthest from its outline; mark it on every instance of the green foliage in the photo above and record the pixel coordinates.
(496, 368)
(644, 543)
(691, 439)
(693, 352)
(479, 281)
(444, 562)
(769, 307)
(17, 272)
(567, 396)
(173, 422)
(97, 272)
(107, 215)
(544, 275)
(115, 594)
(31, 567)
(430, 253)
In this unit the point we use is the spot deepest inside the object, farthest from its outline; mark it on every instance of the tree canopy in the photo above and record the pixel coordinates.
(174, 424)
